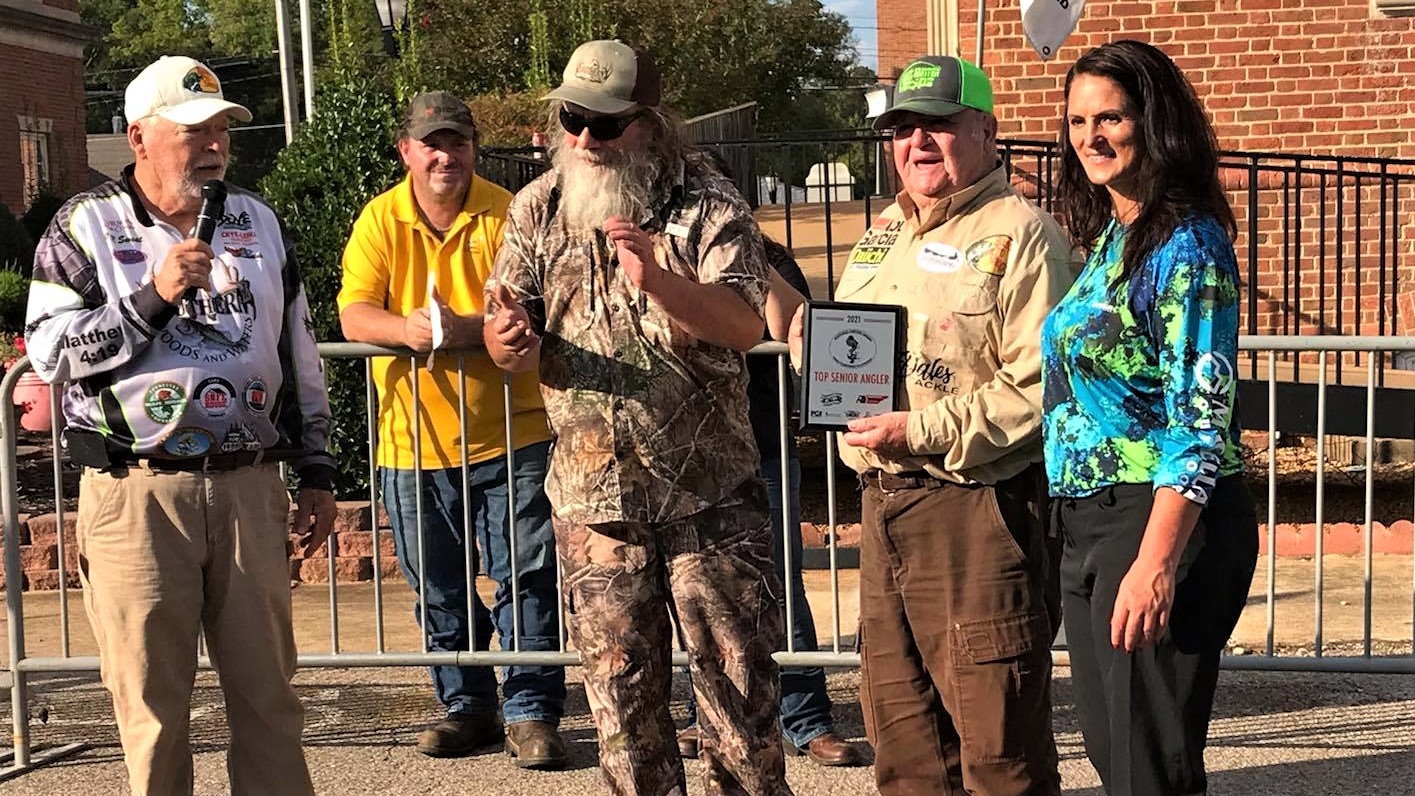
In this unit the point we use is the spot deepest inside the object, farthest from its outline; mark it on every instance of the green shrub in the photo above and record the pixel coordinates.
(342, 157)
(14, 295)
(16, 246)
(36, 220)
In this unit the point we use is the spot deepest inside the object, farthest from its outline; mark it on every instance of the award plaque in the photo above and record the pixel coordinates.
(849, 362)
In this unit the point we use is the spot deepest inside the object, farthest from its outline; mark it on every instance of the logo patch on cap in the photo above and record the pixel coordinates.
(594, 71)
(918, 76)
(201, 80)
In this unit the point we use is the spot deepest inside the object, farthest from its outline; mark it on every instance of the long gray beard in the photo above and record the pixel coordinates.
(596, 185)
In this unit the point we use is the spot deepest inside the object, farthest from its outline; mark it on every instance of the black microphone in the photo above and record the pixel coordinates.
(213, 204)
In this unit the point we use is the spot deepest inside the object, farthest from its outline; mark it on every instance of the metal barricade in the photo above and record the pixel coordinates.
(20, 665)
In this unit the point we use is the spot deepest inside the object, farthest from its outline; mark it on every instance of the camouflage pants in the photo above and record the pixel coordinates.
(713, 570)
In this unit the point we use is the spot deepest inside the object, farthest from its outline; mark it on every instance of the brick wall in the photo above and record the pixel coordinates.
(49, 86)
(1322, 77)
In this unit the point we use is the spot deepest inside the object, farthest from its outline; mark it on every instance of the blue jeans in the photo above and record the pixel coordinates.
(805, 705)
(533, 693)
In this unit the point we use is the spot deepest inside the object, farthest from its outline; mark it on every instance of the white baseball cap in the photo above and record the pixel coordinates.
(179, 89)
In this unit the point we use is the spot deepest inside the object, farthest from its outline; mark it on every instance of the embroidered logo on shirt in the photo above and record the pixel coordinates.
(939, 258)
(188, 441)
(989, 255)
(257, 399)
(214, 396)
(164, 401)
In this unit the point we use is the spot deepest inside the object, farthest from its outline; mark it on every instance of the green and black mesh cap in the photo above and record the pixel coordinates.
(937, 85)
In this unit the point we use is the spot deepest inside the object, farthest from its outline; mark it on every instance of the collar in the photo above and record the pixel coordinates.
(125, 180)
(955, 203)
(405, 209)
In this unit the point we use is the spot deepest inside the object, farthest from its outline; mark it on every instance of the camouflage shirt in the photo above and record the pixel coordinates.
(650, 424)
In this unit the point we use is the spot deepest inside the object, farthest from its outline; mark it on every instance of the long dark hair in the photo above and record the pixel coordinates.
(1177, 154)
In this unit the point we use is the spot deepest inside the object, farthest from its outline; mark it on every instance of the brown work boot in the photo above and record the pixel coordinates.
(830, 750)
(460, 734)
(688, 743)
(535, 744)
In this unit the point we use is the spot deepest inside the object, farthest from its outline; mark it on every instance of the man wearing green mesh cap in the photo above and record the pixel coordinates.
(957, 603)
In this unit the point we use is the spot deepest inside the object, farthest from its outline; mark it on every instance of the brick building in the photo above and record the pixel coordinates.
(1331, 246)
(42, 99)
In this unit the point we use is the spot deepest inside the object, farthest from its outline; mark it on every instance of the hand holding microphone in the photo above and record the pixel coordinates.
(187, 267)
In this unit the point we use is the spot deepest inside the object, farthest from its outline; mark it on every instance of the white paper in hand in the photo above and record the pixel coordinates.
(434, 312)
(1047, 23)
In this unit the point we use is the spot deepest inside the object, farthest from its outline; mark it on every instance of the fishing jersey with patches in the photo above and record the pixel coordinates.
(1140, 376)
(239, 372)
(650, 423)
(976, 273)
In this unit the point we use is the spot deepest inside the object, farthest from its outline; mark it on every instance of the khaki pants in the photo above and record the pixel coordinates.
(162, 556)
(955, 637)
(715, 570)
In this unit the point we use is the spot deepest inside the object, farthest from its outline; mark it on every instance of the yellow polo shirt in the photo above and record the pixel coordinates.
(387, 263)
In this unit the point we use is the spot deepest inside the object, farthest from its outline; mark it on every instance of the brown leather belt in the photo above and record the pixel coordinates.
(892, 482)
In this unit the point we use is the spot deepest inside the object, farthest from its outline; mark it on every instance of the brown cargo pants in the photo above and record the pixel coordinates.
(956, 636)
(715, 569)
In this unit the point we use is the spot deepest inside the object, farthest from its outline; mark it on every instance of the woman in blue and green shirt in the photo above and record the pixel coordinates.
(1141, 432)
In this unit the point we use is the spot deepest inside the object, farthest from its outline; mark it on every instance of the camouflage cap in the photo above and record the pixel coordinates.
(609, 77)
(438, 110)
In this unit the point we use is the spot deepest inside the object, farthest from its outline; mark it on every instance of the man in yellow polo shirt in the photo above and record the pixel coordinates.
(414, 272)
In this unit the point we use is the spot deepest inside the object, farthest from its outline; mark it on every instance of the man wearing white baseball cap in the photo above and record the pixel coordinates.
(187, 383)
(179, 89)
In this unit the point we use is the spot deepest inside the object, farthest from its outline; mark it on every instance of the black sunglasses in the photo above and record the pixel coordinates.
(603, 128)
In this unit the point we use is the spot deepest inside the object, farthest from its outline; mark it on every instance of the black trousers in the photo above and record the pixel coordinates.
(1144, 716)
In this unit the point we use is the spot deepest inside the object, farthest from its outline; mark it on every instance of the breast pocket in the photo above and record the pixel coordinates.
(970, 309)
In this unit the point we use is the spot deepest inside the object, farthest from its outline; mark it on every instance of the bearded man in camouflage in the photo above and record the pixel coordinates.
(633, 276)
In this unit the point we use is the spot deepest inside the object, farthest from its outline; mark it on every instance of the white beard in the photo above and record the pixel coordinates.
(596, 185)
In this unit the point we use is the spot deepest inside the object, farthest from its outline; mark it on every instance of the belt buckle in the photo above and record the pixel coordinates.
(879, 475)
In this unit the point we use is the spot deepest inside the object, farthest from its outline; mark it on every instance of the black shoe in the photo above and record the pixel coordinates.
(460, 734)
(536, 745)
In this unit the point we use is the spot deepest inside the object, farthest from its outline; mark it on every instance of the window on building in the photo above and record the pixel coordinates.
(35, 135)
(1393, 8)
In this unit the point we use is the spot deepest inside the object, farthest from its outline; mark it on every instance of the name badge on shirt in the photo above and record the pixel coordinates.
(676, 230)
(940, 258)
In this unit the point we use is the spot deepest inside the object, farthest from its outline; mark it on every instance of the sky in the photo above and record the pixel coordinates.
(861, 16)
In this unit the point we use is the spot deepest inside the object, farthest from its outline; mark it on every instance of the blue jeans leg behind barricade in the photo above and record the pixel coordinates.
(533, 693)
(805, 705)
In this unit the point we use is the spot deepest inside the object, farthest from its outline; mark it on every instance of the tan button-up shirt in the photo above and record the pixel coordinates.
(977, 274)
(650, 424)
